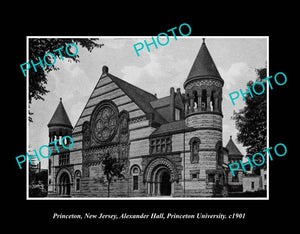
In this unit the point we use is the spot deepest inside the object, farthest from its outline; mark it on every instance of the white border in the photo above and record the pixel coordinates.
(144, 198)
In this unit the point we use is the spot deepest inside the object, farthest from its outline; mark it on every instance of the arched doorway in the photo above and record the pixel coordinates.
(165, 184)
(64, 184)
(160, 176)
(162, 185)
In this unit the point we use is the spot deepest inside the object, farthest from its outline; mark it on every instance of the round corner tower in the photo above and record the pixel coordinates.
(59, 126)
(203, 90)
(203, 112)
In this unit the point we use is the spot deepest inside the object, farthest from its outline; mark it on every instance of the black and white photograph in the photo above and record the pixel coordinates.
(183, 120)
(157, 123)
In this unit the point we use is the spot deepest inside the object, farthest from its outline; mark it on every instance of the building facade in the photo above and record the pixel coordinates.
(235, 183)
(169, 146)
(253, 182)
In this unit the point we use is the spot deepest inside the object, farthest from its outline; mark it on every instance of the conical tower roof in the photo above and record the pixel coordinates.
(60, 117)
(203, 66)
(232, 148)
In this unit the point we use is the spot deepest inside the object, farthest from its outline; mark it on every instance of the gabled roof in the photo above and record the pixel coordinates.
(171, 128)
(162, 106)
(60, 117)
(141, 97)
(232, 148)
(203, 65)
(165, 101)
(161, 102)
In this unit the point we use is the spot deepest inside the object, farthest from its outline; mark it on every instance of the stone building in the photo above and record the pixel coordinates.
(169, 146)
(253, 182)
(235, 183)
(244, 181)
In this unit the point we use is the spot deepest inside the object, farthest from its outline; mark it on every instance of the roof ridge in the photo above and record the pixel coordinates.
(121, 80)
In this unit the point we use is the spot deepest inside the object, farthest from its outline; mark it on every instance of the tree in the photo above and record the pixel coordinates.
(38, 47)
(112, 169)
(38, 183)
(251, 120)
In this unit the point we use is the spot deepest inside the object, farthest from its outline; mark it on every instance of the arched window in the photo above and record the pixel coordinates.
(135, 171)
(220, 155)
(186, 103)
(204, 100)
(50, 166)
(195, 95)
(124, 126)
(213, 101)
(77, 180)
(194, 147)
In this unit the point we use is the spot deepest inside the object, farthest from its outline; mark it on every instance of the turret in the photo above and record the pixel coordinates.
(203, 112)
(59, 125)
(203, 86)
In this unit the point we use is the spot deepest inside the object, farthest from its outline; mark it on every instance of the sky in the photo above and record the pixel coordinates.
(236, 59)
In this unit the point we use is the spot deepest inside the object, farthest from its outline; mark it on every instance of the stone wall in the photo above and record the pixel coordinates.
(249, 180)
(209, 131)
(204, 120)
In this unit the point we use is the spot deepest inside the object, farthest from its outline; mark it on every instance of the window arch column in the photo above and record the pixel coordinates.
(208, 102)
(215, 105)
(186, 106)
(199, 101)
(191, 104)
(203, 99)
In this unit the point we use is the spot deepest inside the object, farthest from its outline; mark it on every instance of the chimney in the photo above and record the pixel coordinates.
(172, 104)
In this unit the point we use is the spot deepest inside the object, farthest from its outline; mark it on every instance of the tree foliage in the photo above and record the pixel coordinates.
(113, 170)
(251, 120)
(38, 183)
(38, 47)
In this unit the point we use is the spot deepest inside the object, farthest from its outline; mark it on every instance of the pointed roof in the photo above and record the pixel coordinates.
(203, 66)
(232, 148)
(60, 117)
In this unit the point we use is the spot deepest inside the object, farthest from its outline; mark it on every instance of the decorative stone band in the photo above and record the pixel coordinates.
(205, 112)
(203, 81)
(105, 148)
